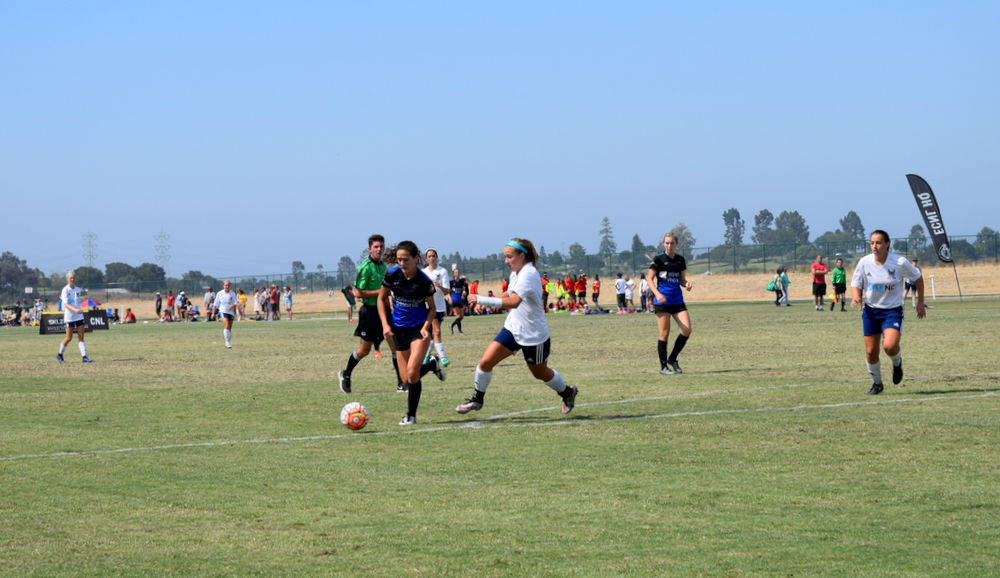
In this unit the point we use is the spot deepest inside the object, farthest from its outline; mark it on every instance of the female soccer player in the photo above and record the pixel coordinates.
(597, 291)
(524, 328)
(459, 289)
(666, 277)
(412, 317)
(226, 300)
(439, 276)
(73, 316)
(879, 276)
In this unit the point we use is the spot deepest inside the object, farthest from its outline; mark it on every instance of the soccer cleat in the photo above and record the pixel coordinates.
(345, 382)
(378, 355)
(402, 388)
(570, 400)
(462, 334)
(438, 369)
(470, 405)
(408, 420)
(675, 366)
(897, 373)
(87, 359)
(229, 346)
(453, 330)
(667, 370)
(60, 358)
(445, 362)
(876, 389)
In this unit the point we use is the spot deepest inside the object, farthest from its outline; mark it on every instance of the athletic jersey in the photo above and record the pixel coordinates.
(597, 287)
(457, 287)
(527, 321)
(369, 278)
(223, 300)
(409, 297)
(71, 296)
(439, 276)
(242, 299)
(838, 275)
(668, 277)
(581, 285)
(620, 286)
(883, 284)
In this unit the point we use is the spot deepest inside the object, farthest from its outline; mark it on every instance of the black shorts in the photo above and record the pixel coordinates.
(582, 296)
(369, 324)
(621, 299)
(75, 324)
(595, 296)
(405, 336)
(819, 289)
(670, 308)
(439, 316)
(910, 287)
(840, 288)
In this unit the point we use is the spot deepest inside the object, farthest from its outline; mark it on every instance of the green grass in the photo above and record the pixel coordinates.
(764, 458)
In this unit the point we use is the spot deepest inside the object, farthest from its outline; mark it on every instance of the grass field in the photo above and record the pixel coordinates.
(171, 455)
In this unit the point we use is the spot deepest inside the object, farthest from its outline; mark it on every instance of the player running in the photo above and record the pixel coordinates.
(458, 288)
(524, 329)
(439, 276)
(227, 300)
(73, 316)
(879, 276)
(666, 277)
(413, 313)
(368, 284)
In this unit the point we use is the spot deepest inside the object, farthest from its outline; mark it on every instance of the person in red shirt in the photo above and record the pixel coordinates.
(474, 289)
(819, 282)
(506, 283)
(581, 291)
(596, 292)
(129, 316)
(275, 313)
(545, 291)
(170, 303)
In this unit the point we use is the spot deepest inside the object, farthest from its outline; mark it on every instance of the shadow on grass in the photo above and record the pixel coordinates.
(947, 391)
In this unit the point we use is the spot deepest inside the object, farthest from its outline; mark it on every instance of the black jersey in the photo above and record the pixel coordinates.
(409, 297)
(457, 287)
(668, 277)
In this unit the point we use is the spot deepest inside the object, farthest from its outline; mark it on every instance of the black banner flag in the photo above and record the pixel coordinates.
(928, 206)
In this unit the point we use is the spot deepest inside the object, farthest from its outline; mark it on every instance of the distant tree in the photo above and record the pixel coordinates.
(851, 224)
(918, 239)
(735, 227)
(319, 268)
(556, 259)
(577, 252)
(15, 273)
(637, 244)
(986, 242)
(118, 273)
(762, 227)
(192, 275)
(345, 271)
(150, 272)
(608, 246)
(792, 227)
(89, 276)
(685, 239)
(543, 257)
(298, 268)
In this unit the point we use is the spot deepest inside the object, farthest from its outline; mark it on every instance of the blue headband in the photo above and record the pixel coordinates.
(517, 246)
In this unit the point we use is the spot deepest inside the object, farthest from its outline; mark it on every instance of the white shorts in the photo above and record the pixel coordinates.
(629, 294)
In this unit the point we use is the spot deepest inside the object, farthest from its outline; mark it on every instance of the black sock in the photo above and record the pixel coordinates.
(459, 321)
(661, 349)
(414, 399)
(453, 324)
(352, 362)
(427, 367)
(378, 342)
(678, 346)
(395, 365)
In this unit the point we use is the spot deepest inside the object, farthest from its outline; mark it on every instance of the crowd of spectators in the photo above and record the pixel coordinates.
(22, 314)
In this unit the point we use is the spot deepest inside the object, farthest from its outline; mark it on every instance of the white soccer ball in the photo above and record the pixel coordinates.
(354, 416)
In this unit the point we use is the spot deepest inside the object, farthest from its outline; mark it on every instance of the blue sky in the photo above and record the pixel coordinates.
(256, 134)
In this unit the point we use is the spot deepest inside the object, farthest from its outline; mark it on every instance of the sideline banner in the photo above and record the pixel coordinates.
(53, 323)
(928, 206)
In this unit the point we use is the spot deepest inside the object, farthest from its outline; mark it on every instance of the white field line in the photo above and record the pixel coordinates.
(483, 423)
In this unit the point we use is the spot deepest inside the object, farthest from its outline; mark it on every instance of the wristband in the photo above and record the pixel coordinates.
(492, 302)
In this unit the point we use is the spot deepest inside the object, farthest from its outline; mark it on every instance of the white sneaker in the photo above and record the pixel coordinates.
(229, 346)
(408, 420)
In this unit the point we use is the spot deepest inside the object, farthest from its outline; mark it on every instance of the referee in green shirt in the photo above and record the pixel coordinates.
(839, 279)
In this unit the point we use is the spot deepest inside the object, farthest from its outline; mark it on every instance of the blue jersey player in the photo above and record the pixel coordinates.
(666, 277)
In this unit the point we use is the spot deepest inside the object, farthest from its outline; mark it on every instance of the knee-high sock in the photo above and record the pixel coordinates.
(482, 381)
(352, 362)
(395, 365)
(897, 359)
(427, 367)
(62, 348)
(228, 334)
(678, 347)
(83, 349)
(440, 348)
(414, 398)
(875, 369)
(556, 383)
(661, 350)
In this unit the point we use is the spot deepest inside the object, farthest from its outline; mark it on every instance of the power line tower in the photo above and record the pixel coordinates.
(162, 249)
(90, 248)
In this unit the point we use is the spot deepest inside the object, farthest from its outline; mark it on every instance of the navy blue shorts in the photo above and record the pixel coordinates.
(533, 354)
(75, 324)
(227, 315)
(877, 320)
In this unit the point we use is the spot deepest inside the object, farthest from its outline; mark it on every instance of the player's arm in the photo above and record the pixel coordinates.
(856, 280)
(654, 286)
(425, 330)
(684, 282)
(505, 301)
(383, 295)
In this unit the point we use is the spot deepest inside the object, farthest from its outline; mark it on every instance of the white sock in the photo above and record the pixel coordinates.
(62, 348)
(440, 348)
(897, 359)
(83, 349)
(876, 370)
(228, 333)
(556, 382)
(482, 379)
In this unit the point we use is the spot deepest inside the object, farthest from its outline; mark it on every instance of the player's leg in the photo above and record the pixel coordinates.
(663, 333)
(80, 329)
(683, 320)
(494, 354)
(227, 329)
(890, 343)
(64, 343)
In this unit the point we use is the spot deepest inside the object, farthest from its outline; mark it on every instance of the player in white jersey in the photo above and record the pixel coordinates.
(226, 302)
(439, 276)
(525, 328)
(879, 277)
(73, 316)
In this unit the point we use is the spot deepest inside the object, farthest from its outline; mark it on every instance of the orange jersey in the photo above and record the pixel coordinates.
(581, 286)
(597, 286)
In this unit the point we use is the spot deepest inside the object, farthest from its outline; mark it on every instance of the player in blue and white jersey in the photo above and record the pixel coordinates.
(667, 275)
(412, 315)
(524, 329)
(226, 301)
(439, 277)
(73, 316)
(878, 279)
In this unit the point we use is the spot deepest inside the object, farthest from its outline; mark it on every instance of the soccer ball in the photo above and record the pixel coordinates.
(354, 416)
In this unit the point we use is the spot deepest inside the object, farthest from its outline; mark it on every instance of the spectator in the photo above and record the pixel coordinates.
(630, 293)
(620, 293)
(209, 300)
(242, 300)
(819, 282)
(129, 316)
(643, 290)
(159, 303)
(785, 282)
(288, 301)
(170, 303)
(275, 314)
(778, 287)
